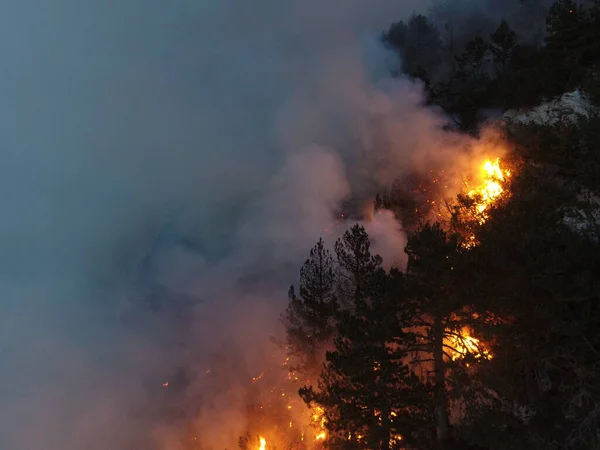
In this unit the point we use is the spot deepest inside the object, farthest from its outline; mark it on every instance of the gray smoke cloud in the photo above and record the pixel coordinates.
(166, 168)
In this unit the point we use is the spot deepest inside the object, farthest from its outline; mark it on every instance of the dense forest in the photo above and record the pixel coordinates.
(490, 336)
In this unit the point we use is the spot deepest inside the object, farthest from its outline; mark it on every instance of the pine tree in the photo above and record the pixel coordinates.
(502, 43)
(395, 36)
(565, 44)
(309, 318)
(355, 266)
(440, 313)
(524, 82)
(537, 276)
(465, 94)
(470, 62)
(421, 57)
(371, 398)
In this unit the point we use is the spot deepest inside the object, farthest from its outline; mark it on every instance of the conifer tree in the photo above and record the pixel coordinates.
(355, 266)
(533, 273)
(395, 36)
(565, 44)
(440, 312)
(421, 57)
(309, 318)
(371, 398)
(470, 62)
(502, 43)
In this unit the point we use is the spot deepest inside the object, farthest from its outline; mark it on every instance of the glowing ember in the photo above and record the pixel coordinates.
(263, 443)
(284, 419)
(292, 376)
(258, 377)
(491, 188)
(395, 439)
(335, 224)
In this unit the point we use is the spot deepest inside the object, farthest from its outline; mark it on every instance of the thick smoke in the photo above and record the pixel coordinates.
(167, 167)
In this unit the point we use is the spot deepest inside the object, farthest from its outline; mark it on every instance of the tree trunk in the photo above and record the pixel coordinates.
(441, 404)
(385, 434)
(385, 408)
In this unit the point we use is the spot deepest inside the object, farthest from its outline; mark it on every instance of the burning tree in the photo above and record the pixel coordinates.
(416, 197)
(370, 396)
(439, 321)
(535, 273)
(398, 342)
(472, 207)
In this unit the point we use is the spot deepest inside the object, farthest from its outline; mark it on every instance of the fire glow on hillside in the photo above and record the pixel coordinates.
(462, 344)
(491, 188)
(279, 419)
(491, 180)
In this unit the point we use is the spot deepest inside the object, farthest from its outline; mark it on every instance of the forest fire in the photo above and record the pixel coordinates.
(490, 189)
(462, 344)
(279, 418)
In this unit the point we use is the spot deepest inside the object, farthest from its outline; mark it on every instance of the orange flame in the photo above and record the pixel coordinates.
(318, 417)
(463, 344)
(491, 188)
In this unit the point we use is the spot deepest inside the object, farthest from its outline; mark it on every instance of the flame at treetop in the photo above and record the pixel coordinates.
(462, 344)
(491, 188)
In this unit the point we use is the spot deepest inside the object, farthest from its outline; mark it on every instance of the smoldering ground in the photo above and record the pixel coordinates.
(242, 126)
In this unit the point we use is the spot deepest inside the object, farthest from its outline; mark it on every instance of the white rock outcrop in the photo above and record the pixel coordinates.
(568, 107)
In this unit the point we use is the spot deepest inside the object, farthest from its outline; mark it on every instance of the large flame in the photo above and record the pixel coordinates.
(318, 417)
(461, 344)
(492, 186)
(263, 443)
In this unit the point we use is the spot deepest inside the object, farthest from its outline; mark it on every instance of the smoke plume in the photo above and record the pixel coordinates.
(167, 167)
